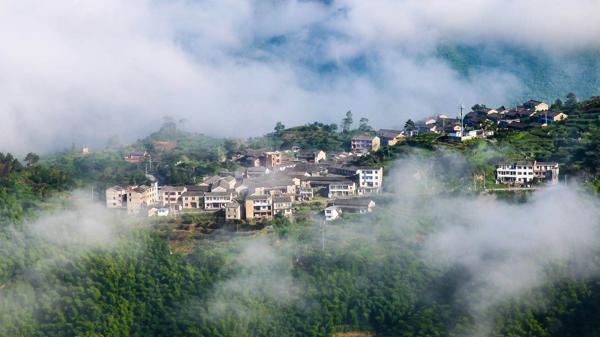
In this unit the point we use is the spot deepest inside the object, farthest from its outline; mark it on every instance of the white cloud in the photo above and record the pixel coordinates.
(81, 71)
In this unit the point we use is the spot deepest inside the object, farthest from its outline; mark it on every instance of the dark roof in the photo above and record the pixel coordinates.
(171, 188)
(141, 189)
(258, 196)
(387, 133)
(282, 199)
(532, 103)
(192, 194)
(552, 113)
(342, 182)
(217, 194)
(357, 202)
(363, 137)
(257, 169)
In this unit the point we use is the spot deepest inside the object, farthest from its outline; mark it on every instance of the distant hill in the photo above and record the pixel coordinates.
(544, 76)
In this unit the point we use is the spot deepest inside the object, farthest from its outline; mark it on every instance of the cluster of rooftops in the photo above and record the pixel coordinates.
(269, 185)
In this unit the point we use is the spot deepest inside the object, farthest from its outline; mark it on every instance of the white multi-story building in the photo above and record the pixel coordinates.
(342, 189)
(369, 179)
(527, 173)
(217, 200)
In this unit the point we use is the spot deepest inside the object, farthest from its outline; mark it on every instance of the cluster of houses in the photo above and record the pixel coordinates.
(479, 122)
(273, 181)
(269, 186)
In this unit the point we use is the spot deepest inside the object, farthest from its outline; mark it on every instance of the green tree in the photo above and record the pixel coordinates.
(478, 107)
(558, 104)
(32, 159)
(347, 122)
(364, 125)
(571, 101)
(409, 125)
(169, 123)
(279, 127)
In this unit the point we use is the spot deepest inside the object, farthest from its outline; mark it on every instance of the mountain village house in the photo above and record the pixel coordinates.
(390, 137)
(365, 143)
(527, 173)
(311, 156)
(141, 197)
(259, 207)
(116, 197)
(233, 211)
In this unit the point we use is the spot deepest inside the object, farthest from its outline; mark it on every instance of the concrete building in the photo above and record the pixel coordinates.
(252, 172)
(116, 197)
(259, 207)
(304, 193)
(217, 200)
(170, 196)
(192, 199)
(390, 137)
(361, 206)
(311, 156)
(369, 179)
(536, 106)
(365, 143)
(141, 197)
(233, 211)
(283, 205)
(341, 189)
(135, 157)
(527, 173)
(332, 213)
(271, 159)
(552, 117)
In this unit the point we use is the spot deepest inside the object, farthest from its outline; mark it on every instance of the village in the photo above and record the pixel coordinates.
(267, 187)
(270, 183)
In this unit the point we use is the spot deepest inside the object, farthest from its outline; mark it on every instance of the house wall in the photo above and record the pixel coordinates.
(116, 198)
(370, 180)
(233, 213)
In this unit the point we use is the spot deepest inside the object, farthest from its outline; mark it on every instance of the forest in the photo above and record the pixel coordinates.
(68, 268)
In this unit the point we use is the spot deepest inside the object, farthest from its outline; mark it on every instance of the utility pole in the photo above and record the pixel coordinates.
(484, 180)
(323, 235)
(462, 126)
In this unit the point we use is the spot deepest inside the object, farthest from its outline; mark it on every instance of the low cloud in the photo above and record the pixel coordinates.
(506, 249)
(80, 72)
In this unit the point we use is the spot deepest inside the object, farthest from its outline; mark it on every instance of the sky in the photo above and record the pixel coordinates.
(79, 72)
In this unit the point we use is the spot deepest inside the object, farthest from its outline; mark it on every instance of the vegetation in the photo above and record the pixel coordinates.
(283, 283)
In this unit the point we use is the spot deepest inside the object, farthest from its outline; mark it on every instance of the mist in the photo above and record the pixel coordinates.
(80, 72)
(506, 251)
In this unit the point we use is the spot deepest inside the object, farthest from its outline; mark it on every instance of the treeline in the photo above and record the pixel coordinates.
(24, 186)
(140, 289)
(574, 143)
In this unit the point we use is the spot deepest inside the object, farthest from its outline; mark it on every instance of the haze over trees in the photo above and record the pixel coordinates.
(113, 278)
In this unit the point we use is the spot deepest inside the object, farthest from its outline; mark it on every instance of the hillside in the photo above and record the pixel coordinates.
(73, 269)
(543, 76)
